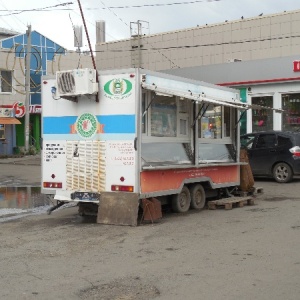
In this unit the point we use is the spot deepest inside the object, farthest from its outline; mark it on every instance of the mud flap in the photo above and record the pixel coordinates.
(118, 209)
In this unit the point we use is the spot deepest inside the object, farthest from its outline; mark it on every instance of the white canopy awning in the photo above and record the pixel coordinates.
(202, 98)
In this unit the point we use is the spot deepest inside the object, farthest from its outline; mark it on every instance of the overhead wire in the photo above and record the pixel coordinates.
(19, 11)
(186, 46)
(160, 4)
(14, 16)
(146, 40)
(92, 23)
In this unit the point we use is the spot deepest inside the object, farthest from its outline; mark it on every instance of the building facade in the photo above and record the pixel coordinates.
(273, 82)
(259, 56)
(46, 57)
(246, 39)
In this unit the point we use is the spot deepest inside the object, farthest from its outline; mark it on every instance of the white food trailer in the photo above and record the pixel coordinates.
(112, 139)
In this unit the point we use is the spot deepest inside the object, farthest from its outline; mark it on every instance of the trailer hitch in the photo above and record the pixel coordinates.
(59, 204)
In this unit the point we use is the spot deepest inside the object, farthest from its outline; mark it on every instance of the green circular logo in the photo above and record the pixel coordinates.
(118, 88)
(86, 125)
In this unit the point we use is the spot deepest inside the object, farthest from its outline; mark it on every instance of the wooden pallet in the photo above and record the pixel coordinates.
(229, 203)
(255, 191)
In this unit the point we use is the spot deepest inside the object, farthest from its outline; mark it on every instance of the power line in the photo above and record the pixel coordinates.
(174, 47)
(92, 23)
(146, 40)
(14, 16)
(204, 45)
(110, 9)
(161, 4)
(19, 11)
(49, 8)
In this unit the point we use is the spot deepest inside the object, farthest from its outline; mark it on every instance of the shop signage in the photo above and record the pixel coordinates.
(35, 109)
(6, 112)
(18, 110)
(297, 66)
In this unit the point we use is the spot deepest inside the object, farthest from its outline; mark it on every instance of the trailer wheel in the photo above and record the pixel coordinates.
(181, 202)
(197, 196)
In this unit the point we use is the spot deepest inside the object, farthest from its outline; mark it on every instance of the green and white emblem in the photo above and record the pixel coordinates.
(86, 125)
(118, 88)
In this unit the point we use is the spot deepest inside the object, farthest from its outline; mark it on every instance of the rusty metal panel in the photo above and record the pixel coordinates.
(118, 209)
(162, 180)
(151, 209)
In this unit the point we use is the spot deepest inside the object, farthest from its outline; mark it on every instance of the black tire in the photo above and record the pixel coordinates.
(282, 173)
(198, 198)
(181, 202)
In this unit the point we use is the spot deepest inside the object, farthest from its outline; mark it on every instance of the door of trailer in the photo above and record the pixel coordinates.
(118, 106)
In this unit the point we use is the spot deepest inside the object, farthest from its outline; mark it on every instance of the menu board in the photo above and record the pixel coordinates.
(120, 153)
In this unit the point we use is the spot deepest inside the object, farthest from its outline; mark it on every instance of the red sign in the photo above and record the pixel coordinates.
(35, 109)
(297, 66)
(19, 109)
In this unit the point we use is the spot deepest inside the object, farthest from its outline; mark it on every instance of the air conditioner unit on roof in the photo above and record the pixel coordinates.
(76, 82)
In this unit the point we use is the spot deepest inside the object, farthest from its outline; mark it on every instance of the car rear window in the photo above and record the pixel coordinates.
(266, 141)
(284, 141)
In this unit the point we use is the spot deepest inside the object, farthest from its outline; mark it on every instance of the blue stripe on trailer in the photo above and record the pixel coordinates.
(111, 124)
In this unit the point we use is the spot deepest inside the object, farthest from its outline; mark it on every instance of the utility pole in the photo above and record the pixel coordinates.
(139, 25)
(136, 34)
(27, 87)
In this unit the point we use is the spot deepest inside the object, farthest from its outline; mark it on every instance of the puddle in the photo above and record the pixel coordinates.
(21, 201)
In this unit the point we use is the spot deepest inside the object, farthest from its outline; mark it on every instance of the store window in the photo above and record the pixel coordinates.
(164, 117)
(262, 119)
(291, 115)
(6, 81)
(2, 131)
(210, 124)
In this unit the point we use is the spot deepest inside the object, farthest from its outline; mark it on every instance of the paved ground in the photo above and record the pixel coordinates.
(244, 253)
(20, 171)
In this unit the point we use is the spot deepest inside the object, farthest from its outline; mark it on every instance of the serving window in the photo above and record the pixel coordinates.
(214, 122)
(166, 117)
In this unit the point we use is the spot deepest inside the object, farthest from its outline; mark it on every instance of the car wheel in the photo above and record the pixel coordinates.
(282, 173)
(197, 196)
(181, 202)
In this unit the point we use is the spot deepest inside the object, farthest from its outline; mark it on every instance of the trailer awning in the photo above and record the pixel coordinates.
(202, 98)
(9, 121)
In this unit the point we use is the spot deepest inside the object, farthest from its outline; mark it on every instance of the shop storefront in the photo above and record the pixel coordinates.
(273, 82)
(291, 117)
(281, 95)
(8, 122)
(12, 127)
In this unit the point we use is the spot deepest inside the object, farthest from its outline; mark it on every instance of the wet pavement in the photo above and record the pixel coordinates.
(28, 160)
(20, 186)
(20, 171)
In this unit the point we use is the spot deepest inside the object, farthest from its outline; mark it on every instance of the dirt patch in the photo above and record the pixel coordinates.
(121, 289)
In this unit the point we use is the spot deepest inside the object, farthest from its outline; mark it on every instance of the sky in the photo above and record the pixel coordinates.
(56, 19)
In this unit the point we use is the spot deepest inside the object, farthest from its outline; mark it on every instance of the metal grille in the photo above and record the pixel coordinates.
(86, 166)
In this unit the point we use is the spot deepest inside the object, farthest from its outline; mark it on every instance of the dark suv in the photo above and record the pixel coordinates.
(273, 153)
